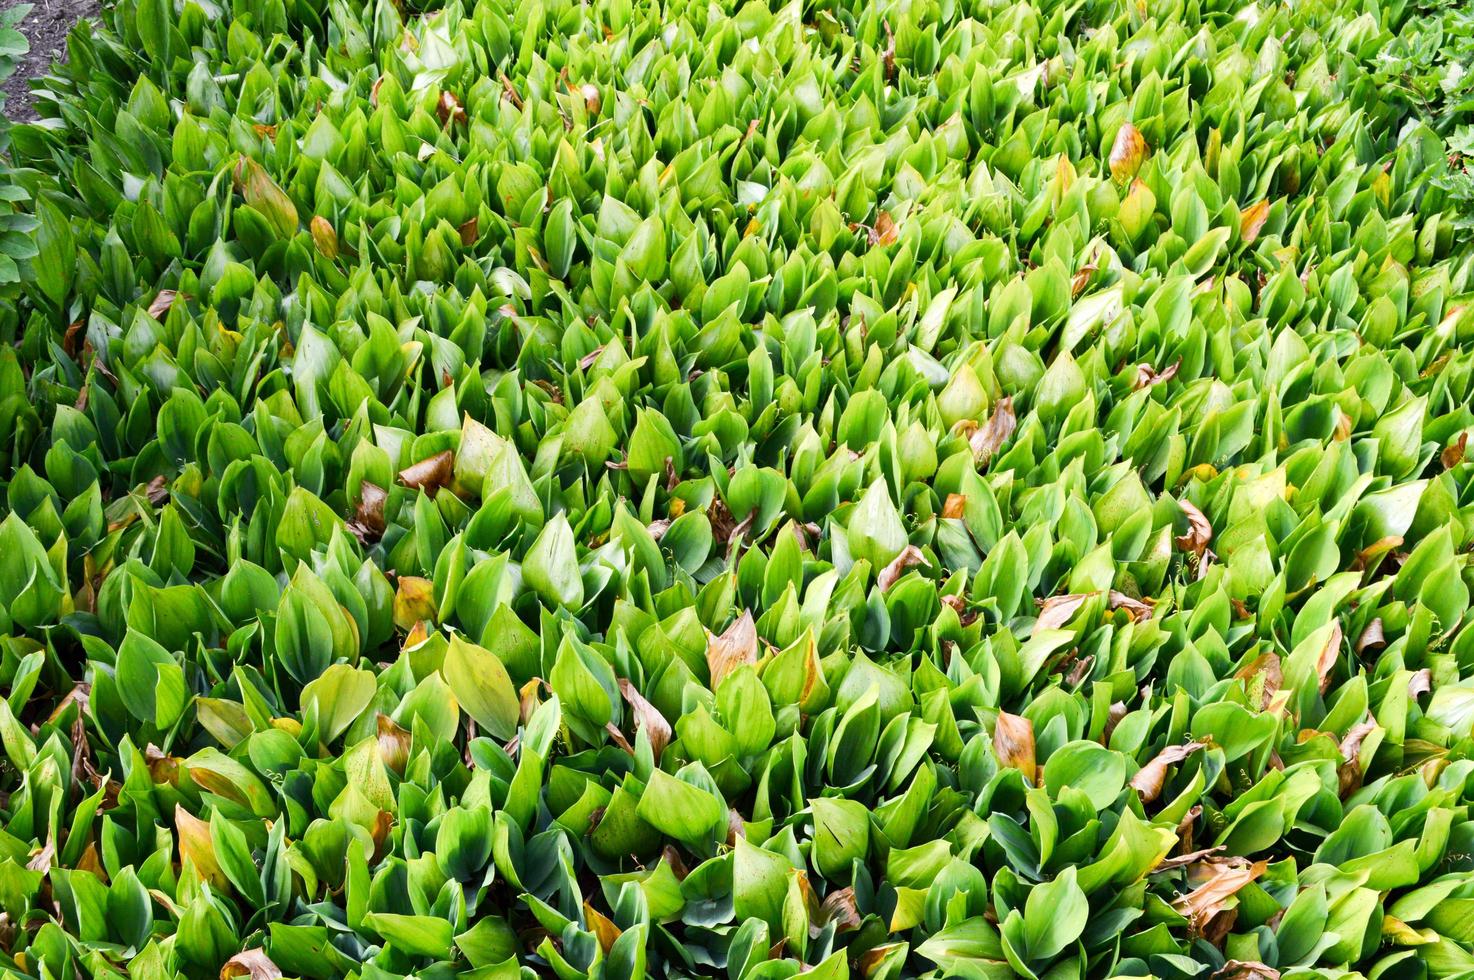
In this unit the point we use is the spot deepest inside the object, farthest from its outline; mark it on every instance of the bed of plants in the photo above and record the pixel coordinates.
(863, 489)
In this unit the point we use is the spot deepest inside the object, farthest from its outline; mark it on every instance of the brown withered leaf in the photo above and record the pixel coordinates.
(1372, 554)
(159, 308)
(368, 516)
(995, 432)
(1420, 683)
(1113, 718)
(1150, 777)
(1325, 662)
(157, 491)
(838, 907)
(909, 558)
(1080, 670)
(1057, 610)
(1127, 153)
(1140, 609)
(658, 528)
(1013, 743)
(1245, 970)
(1252, 219)
(955, 506)
(886, 231)
(958, 604)
(736, 646)
(1224, 880)
(429, 474)
(1188, 859)
(1199, 531)
(251, 963)
(448, 108)
(618, 737)
(1081, 279)
(1264, 669)
(648, 717)
(393, 744)
(1372, 638)
(587, 361)
(1147, 376)
(470, 231)
(41, 861)
(1453, 453)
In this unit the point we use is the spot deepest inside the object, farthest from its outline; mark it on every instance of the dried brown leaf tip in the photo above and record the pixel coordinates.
(1013, 743)
(368, 517)
(1218, 882)
(253, 964)
(1252, 219)
(886, 231)
(163, 302)
(1453, 453)
(909, 558)
(1150, 777)
(986, 441)
(429, 474)
(1148, 376)
(1128, 152)
(647, 717)
(448, 108)
(736, 646)
(954, 507)
(1199, 531)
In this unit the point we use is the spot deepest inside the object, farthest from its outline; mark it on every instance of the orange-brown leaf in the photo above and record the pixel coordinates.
(909, 558)
(1127, 153)
(1251, 221)
(1225, 880)
(1150, 777)
(251, 963)
(886, 231)
(995, 432)
(955, 506)
(1013, 743)
(736, 646)
(1058, 610)
(602, 927)
(1325, 662)
(429, 474)
(325, 237)
(1453, 453)
(648, 717)
(1199, 531)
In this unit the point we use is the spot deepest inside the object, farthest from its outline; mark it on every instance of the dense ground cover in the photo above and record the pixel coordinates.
(866, 489)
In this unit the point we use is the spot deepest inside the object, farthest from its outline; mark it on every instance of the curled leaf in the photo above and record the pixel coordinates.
(1453, 453)
(1224, 880)
(1058, 610)
(1325, 662)
(1148, 376)
(1199, 531)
